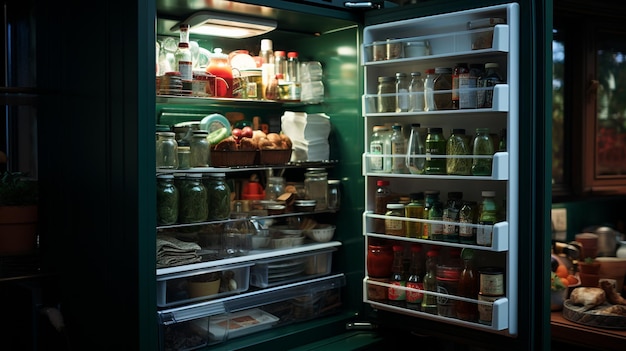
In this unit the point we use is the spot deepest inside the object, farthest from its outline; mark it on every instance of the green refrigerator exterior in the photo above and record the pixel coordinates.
(95, 68)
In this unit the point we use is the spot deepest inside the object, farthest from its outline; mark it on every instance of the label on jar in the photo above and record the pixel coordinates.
(377, 292)
(485, 312)
(491, 281)
(484, 233)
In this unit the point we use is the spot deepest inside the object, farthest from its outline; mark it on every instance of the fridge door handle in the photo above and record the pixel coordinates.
(362, 5)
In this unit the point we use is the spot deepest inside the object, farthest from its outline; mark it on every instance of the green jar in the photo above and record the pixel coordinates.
(433, 210)
(167, 200)
(193, 206)
(483, 146)
(218, 195)
(435, 146)
(458, 145)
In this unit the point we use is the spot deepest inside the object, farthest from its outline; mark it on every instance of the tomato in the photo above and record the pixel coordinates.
(237, 133)
(246, 132)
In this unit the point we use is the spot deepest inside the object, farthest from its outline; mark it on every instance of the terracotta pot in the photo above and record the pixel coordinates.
(589, 268)
(589, 280)
(18, 229)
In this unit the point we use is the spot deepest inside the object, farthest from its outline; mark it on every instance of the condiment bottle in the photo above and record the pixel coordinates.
(415, 280)
(435, 146)
(432, 211)
(442, 88)
(429, 302)
(429, 87)
(468, 287)
(398, 150)
(397, 296)
(487, 82)
(487, 218)
(416, 92)
(468, 82)
(386, 94)
(451, 216)
(267, 63)
(415, 151)
(219, 67)
(458, 145)
(459, 69)
(167, 200)
(402, 92)
(380, 150)
(292, 76)
(468, 215)
(483, 146)
(382, 197)
(394, 226)
(183, 58)
(415, 209)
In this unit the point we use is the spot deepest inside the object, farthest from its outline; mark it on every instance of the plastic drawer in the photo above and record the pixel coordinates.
(292, 268)
(186, 335)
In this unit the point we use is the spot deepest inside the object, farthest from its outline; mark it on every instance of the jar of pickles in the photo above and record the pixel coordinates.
(193, 205)
(167, 200)
(218, 195)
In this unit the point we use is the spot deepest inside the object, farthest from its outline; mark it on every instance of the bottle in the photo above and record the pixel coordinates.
(415, 150)
(182, 57)
(219, 67)
(448, 274)
(200, 149)
(379, 260)
(382, 198)
(451, 216)
(166, 151)
(167, 200)
(433, 210)
(502, 142)
(386, 94)
(435, 146)
(468, 215)
(380, 150)
(487, 218)
(468, 82)
(267, 63)
(398, 150)
(415, 209)
(415, 279)
(458, 144)
(483, 146)
(394, 226)
(280, 64)
(402, 92)
(193, 200)
(218, 195)
(429, 87)
(442, 88)
(459, 70)
(468, 287)
(416, 92)
(292, 75)
(429, 302)
(491, 77)
(316, 187)
(396, 296)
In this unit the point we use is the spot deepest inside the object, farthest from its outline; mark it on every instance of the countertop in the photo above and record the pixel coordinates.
(581, 335)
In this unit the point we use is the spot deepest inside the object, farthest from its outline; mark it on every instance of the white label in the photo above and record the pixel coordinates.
(483, 234)
(184, 67)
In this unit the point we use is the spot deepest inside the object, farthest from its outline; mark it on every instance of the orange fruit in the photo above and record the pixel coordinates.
(561, 271)
(572, 280)
(565, 282)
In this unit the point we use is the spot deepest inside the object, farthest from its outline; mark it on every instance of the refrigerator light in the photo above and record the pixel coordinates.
(226, 25)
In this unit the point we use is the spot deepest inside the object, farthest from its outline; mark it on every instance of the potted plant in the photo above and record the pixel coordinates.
(18, 213)
(588, 272)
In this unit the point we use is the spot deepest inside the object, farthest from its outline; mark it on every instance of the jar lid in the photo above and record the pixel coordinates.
(435, 130)
(395, 206)
(165, 176)
(200, 133)
(443, 70)
(386, 79)
(382, 182)
(491, 65)
(184, 149)
(416, 74)
(194, 175)
(379, 128)
(315, 170)
(334, 181)
(222, 174)
(166, 134)
(400, 74)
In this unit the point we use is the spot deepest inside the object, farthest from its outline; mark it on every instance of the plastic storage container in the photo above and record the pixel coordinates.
(291, 268)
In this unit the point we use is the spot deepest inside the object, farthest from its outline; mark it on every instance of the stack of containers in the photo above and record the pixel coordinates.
(309, 135)
(312, 87)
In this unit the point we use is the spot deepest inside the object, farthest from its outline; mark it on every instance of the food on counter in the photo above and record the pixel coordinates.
(619, 310)
(588, 297)
(252, 140)
(612, 296)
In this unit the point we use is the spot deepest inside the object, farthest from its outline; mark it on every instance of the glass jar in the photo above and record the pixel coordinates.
(433, 210)
(442, 87)
(167, 200)
(487, 82)
(415, 151)
(486, 218)
(435, 146)
(459, 70)
(166, 151)
(316, 187)
(416, 92)
(334, 194)
(193, 200)
(398, 150)
(458, 145)
(379, 260)
(386, 94)
(429, 87)
(200, 149)
(275, 187)
(394, 226)
(468, 215)
(237, 236)
(451, 216)
(218, 195)
(415, 209)
(402, 92)
(382, 197)
(483, 146)
(184, 157)
(380, 145)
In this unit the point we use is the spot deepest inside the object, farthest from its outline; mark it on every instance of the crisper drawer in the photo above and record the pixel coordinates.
(291, 268)
(216, 321)
(202, 284)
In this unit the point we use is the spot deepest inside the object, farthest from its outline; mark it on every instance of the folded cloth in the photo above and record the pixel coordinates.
(174, 252)
(172, 260)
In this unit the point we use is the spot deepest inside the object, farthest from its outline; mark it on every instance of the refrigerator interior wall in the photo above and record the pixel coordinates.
(451, 42)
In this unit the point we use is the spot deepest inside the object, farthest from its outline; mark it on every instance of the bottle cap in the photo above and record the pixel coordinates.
(382, 182)
(279, 53)
(488, 193)
(266, 44)
(292, 54)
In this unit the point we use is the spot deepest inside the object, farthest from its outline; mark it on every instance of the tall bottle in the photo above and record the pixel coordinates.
(380, 150)
(402, 92)
(382, 198)
(487, 218)
(292, 75)
(280, 65)
(415, 209)
(435, 146)
(468, 287)
(267, 63)
(416, 92)
(486, 83)
(415, 151)
(395, 295)
(429, 88)
(416, 279)
(482, 147)
(398, 150)
(459, 70)
(182, 56)
(433, 210)
(451, 216)
(429, 302)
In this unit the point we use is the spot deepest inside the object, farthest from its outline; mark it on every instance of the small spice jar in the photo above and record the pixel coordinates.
(394, 226)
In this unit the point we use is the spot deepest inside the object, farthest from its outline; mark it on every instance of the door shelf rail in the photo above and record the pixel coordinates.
(499, 238)
(499, 308)
(499, 169)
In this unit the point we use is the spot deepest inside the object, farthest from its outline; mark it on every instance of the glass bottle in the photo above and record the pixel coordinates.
(396, 296)
(487, 218)
(182, 56)
(280, 64)
(448, 274)
(267, 63)
(468, 287)
(451, 216)
(276, 187)
(220, 67)
(429, 302)
(316, 187)
(334, 194)
(167, 200)
(415, 148)
(382, 198)
(416, 92)
(459, 69)
(166, 151)
(433, 210)
(415, 209)
(429, 87)
(218, 194)
(486, 83)
(468, 215)
(415, 279)
(380, 150)
(442, 87)
(482, 146)
(398, 150)
(193, 200)
(394, 226)
(292, 75)
(435, 146)
(402, 92)
(458, 145)
(386, 94)
(200, 149)
(468, 82)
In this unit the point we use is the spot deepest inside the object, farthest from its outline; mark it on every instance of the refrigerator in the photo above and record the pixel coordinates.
(117, 119)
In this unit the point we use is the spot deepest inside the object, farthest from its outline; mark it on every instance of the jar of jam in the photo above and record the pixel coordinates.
(379, 260)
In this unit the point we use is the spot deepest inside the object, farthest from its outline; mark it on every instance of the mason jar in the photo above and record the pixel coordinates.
(200, 149)
(316, 186)
(166, 151)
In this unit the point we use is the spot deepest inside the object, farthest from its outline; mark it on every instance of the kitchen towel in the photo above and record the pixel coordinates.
(174, 252)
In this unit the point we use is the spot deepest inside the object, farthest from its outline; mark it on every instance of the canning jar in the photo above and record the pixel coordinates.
(402, 92)
(483, 147)
(218, 195)
(379, 259)
(435, 146)
(275, 187)
(334, 194)
(166, 150)
(458, 145)
(316, 187)
(386, 94)
(167, 200)
(193, 206)
(394, 226)
(442, 86)
(184, 157)
(200, 149)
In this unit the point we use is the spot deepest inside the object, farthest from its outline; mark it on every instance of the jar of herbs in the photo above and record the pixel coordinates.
(218, 195)
(435, 146)
(193, 206)
(458, 145)
(167, 200)
(483, 151)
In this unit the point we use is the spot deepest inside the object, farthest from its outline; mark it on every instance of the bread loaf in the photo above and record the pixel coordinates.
(588, 297)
